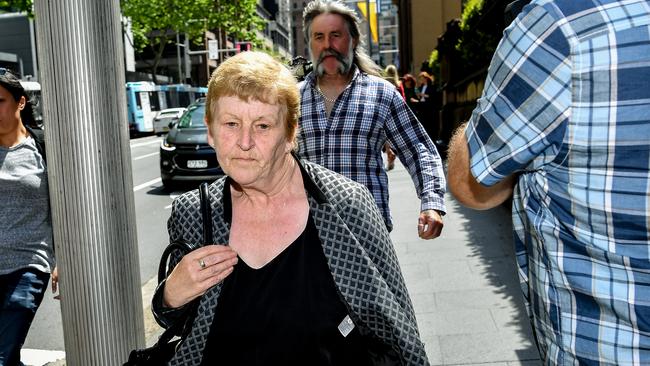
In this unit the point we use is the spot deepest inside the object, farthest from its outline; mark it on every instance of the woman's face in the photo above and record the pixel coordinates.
(250, 139)
(9, 111)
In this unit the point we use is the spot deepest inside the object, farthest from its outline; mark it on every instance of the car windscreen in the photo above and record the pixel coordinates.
(193, 118)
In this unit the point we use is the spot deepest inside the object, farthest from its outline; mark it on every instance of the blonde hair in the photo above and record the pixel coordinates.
(255, 75)
(390, 74)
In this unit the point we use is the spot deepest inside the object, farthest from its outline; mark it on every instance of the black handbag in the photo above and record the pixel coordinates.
(163, 351)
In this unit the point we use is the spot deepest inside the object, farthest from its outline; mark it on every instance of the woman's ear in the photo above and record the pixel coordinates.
(21, 103)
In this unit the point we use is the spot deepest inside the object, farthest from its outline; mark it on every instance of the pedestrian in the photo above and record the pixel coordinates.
(26, 248)
(410, 91)
(426, 96)
(392, 76)
(348, 112)
(305, 272)
(563, 127)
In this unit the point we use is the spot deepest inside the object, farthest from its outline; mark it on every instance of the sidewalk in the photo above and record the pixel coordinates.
(464, 284)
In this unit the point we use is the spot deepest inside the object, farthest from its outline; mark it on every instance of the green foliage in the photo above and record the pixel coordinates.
(26, 6)
(471, 12)
(476, 44)
(156, 22)
(434, 65)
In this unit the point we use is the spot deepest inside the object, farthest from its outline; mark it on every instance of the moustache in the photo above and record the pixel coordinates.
(331, 52)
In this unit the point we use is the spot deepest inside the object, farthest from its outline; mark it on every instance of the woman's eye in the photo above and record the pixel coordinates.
(263, 126)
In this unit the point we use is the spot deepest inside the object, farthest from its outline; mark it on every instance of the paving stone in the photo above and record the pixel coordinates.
(489, 298)
(478, 348)
(416, 271)
(536, 362)
(424, 302)
(442, 323)
(432, 348)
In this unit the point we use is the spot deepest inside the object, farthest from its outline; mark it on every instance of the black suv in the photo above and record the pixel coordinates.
(185, 154)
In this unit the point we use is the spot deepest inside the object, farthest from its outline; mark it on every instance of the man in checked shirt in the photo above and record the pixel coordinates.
(564, 122)
(348, 112)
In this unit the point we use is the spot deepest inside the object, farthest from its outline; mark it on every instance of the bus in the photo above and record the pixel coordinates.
(145, 99)
(182, 95)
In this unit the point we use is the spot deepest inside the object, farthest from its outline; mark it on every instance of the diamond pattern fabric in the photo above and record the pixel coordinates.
(358, 249)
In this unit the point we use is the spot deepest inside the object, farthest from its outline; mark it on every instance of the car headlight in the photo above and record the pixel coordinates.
(166, 145)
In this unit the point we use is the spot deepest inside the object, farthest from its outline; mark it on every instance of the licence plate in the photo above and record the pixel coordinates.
(197, 164)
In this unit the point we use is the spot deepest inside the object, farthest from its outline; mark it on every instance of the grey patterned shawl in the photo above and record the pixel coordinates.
(356, 244)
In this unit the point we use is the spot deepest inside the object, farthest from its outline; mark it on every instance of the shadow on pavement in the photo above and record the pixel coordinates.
(464, 284)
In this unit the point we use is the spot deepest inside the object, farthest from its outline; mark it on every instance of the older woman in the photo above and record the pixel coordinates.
(304, 271)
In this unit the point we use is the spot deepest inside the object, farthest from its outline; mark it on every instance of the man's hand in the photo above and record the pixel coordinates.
(430, 224)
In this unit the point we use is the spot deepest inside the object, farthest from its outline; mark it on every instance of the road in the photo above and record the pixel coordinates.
(152, 205)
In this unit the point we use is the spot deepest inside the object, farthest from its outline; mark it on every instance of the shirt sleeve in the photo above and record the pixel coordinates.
(418, 154)
(520, 120)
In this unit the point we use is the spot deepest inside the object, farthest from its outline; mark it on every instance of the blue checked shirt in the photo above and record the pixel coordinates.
(566, 107)
(369, 112)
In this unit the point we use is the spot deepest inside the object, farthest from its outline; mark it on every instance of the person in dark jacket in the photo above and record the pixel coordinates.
(26, 249)
(426, 104)
(304, 271)
(410, 91)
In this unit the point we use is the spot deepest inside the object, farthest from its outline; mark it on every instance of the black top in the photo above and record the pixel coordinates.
(285, 313)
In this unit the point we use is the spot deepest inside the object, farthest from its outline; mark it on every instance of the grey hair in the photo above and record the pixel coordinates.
(318, 7)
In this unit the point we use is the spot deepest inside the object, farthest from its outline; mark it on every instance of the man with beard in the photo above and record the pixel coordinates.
(348, 112)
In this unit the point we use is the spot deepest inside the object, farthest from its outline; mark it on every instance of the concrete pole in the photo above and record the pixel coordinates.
(91, 188)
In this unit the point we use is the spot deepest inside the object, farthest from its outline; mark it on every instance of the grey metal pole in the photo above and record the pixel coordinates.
(178, 58)
(89, 171)
(188, 61)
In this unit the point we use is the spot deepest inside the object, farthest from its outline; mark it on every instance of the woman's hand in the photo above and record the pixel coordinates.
(197, 272)
(55, 283)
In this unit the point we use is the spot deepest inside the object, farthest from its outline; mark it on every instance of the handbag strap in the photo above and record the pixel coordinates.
(206, 211)
(185, 247)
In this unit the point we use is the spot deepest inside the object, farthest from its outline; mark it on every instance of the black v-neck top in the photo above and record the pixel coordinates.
(285, 313)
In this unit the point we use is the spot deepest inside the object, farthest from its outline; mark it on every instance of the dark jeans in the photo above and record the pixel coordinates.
(21, 293)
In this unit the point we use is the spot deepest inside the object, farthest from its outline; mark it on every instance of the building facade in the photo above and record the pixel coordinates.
(421, 22)
(18, 45)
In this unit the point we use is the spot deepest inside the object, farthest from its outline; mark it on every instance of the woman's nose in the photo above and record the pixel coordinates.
(245, 139)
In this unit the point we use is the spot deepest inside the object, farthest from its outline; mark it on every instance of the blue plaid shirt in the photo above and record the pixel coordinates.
(566, 107)
(369, 112)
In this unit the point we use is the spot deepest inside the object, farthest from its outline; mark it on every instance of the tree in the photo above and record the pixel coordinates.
(26, 6)
(478, 36)
(155, 23)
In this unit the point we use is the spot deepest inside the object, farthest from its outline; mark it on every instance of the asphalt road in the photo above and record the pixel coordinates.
(152, 205)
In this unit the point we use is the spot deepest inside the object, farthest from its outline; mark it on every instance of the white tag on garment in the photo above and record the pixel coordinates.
(346, 326)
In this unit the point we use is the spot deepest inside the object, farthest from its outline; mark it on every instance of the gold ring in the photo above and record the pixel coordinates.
(202, 263)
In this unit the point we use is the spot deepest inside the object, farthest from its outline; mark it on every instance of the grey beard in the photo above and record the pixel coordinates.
(343, 68)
